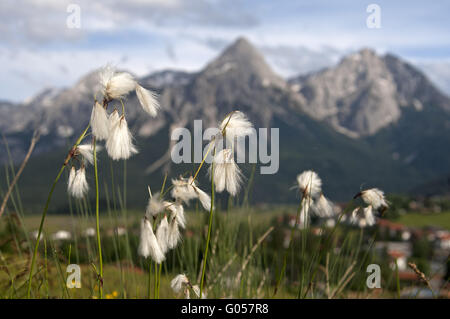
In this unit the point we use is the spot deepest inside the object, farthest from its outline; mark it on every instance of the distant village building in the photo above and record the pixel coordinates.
(394, 230)
(397, 251)
(443, 240)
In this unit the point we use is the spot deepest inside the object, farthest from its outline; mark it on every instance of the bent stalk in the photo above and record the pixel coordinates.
(97, 220)
(47, 204)
(211, 212)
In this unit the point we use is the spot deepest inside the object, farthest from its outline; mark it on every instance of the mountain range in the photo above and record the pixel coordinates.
(369, 121)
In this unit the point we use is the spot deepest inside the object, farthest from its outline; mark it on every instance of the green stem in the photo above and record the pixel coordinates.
(46, 267)
(150, 279)
(211, 212)
(97, 220)
(125, 184)
(397, 280)
(156, 281)
(202, 162)
(164, 184)
(33, 260)
(47, 204)
(159, 278)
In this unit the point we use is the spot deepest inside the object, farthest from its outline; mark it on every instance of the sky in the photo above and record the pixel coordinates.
(43, 43)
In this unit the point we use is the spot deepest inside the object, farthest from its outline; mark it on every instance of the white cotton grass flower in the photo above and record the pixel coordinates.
(369, 216)
(322, 207)
(236, 125)
(363, 216)
(374, 197)
(87, 152)
(196, 290)
(99, 122)
(204, 198)
(113, 119)
(162, 233)
(148, 100)
(155, 205)
(354, 217)
(72, 175)
(78, 185)
(177, 211)
(119, 144)
(185, 189)
(304, 213)
(179, 283)
(182, 189)
(227, 174)
(116, 85)
(174, 235)
(309, 184)
(148, 244)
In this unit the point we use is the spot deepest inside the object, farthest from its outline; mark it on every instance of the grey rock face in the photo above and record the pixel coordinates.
(365, 92)
(386, 105)
(361, 95)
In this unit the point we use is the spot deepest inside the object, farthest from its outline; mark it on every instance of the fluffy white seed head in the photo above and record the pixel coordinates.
(99, 122)
(179, 283)
(375, 198)
(148, 100)
(322, 207)
(196, 290)
(162, 233)
(174, 235)
(119, 144)
(116, 85)
(309, 183)
(355, 215)
(177, 211)
(72, 175)
(78, 186)
(204, 198)
(113, 119)
(235, 125)
(87, 152)
(183, 189)
(363, 216)
(148, 244)
(155, 205)
(369, 216)
(304, 213)
(227, 174)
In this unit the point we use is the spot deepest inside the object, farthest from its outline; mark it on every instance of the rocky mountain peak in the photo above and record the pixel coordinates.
(89, 83)
(242, 59)
(413, 87)
(366, 92)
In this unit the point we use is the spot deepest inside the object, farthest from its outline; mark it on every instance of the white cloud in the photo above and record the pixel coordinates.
(38, 50)
(31, 71)
(438, 72)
